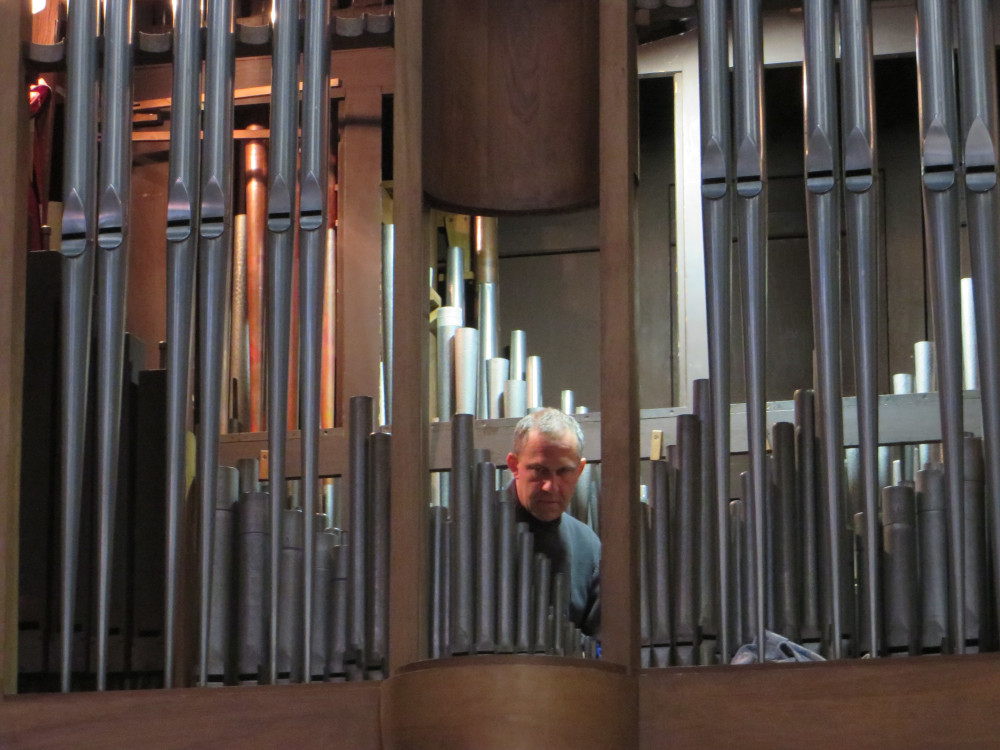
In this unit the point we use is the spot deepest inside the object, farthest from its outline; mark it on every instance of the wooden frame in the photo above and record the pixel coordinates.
(926, 702)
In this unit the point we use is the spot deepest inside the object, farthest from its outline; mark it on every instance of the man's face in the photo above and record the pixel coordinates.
(545, 474)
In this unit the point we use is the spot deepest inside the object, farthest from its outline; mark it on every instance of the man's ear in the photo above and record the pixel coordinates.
(579, 469)
(512, 463)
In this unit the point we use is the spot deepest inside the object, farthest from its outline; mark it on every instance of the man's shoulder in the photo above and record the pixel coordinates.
(580, 531)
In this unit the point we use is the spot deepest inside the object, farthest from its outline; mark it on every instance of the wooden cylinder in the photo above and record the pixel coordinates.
(509, 701)
(510, 105)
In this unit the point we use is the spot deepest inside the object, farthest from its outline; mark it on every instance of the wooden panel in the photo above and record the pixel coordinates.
(290, 716)
(925, 702)
(509, 701)
(15, 151)
(410, 481)
(511, 106)
(619, 380)
(359, 243)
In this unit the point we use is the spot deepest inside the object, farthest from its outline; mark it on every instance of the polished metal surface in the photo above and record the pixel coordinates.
(518, 355)
(497, 374)
(252, 542)
(978, 97)
(183, 199)
(940, 162)
(466, 345)
(751, 203)
(214, 255)
(860, 171)
(899, 550)
(359, 493)
(77, 247)
(221, 643)
(462, 558)
(113, 239)
(378, 619)
(313, 221)
(488, 322)
(533, 378)
(716, 191)
(449, 320)
(486, 557)
(282, 153)
(932, 531)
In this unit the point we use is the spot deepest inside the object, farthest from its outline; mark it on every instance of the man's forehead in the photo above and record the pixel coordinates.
(538, 440)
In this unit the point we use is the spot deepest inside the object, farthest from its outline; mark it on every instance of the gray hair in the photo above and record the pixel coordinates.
(551, 423)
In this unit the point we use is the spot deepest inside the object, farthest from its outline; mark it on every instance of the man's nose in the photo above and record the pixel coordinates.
(549, 484)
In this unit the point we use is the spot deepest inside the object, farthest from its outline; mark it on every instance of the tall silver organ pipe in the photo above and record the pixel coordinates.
(488, 342)
(388, 286)
(498, 371)
(924, 367)
(112, 273)
(214, 253)
(455, 278)
(313, 222)
(466, 370)
(566, 402)
(970, 357)
(183, 199)
(751, 191)
(449, 320)
(282, 153)
(518, 354)
(823, 212)
(515, 398)
(78, 237)
(939, 166)
(860, 165)
(716, 183)
(980, 138)
(533, 377)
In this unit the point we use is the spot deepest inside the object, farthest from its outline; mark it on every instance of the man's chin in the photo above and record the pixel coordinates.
(547, 511)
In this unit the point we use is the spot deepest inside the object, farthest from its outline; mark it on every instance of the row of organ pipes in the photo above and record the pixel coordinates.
(875, 556)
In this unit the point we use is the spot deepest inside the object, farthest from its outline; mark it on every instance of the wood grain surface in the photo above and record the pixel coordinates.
(284, 716)
(510, 107)
(507, 702)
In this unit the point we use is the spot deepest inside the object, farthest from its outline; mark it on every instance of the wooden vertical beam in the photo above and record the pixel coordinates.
(15, 153)
(410, 477)
(619, 379)
(359, 242)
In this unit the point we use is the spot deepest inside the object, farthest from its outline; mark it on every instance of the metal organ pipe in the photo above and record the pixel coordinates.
(462, 562)
(970, 357)
(533, 378)
(183, 197)
(751, 191)
(280, 257)
(488, 342)
(939, 165)
(112, 272)
(860, 165)
(214, 254)
(221, 651)
(78, 237)
(980, 138)
(466, 370)
(449, 320)
(823, 211)
(518, 354)
(378, 639)
(313, 222)
(716, 183)
(360, 428)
